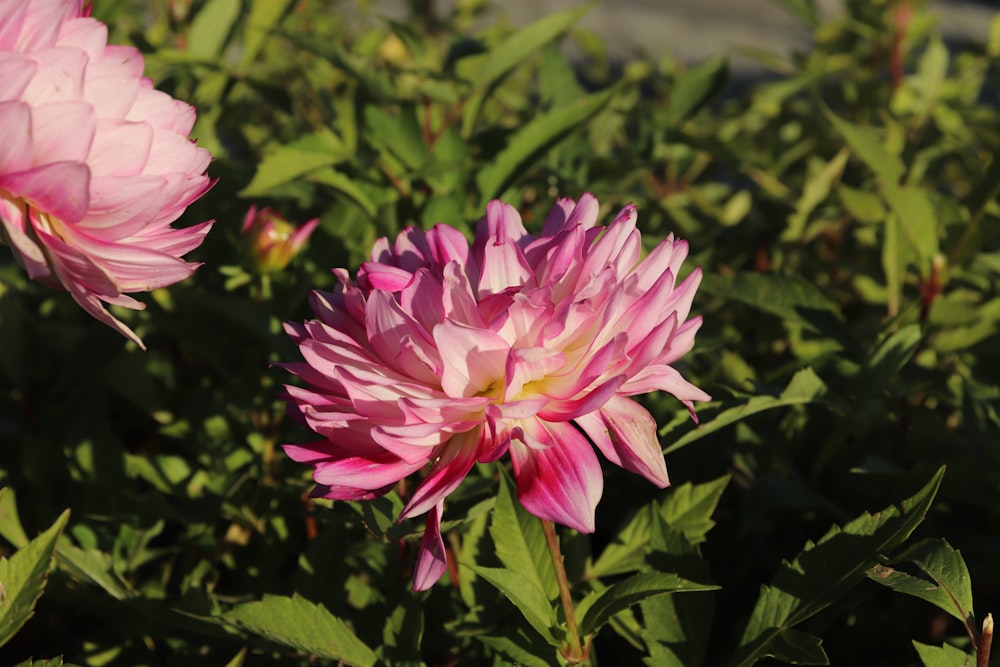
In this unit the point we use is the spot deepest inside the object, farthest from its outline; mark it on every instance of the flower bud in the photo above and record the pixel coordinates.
(271, 240)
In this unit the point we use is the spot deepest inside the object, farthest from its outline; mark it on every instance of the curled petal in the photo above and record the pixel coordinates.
(432, 560)
(625, 433)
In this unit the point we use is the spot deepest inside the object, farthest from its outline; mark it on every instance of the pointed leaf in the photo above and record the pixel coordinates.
(533, 140)
(288, 162)
(627, 551)
(597, 608)
(210, 28)
(695, 87)
(943, 656)
(23, 577)
(507, 55)
(529, 600)
(804, 387)
(688, 508)
(824, 571)
(950, 587)
(305, 626)
(520, 542)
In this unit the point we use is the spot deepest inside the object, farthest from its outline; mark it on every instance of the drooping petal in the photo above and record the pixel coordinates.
(558, 475)
(432, 559)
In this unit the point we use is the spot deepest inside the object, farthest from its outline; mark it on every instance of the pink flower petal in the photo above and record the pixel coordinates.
(432, 559)
(558, 475)
(625, 433)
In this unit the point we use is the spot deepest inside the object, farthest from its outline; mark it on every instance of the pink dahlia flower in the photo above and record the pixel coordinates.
(442, 355)
(94, 163)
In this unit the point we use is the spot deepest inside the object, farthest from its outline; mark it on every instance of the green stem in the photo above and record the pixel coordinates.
(576, 650)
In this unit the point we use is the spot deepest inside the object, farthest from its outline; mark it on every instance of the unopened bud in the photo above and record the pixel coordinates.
(272, 241)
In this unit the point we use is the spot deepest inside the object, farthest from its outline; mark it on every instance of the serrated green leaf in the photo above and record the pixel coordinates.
(520, 542)
(688, 508)
(943, 656)
(305, 626)
(23, 577)
(512, 51)
(597, 608)
(533, 140)
(528, 599)
(824, 571)
(211, 26)
(805, 387)
(950, 587)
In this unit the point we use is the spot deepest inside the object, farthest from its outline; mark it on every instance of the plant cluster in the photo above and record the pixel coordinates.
(836, 501)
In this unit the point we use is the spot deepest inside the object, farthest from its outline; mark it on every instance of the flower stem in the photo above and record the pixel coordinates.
(576, 651)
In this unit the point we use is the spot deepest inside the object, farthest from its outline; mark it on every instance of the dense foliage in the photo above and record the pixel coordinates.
(843, 209)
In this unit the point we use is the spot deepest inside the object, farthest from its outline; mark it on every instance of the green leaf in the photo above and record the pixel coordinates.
(917, 219)
(688, 509)
(597, 608)
(94, 567)
(403, 631)
(949, 588)
(868, 146)
(792, 298)
(371, 78)
(523, 649)
(347, 187)
(891, 355)
(943, 656)
(53, 662)
(10, 523)
(530, 601)
(264, 14)
(288, 162)
(211, 27)
(695, 87)
(305, 626)
(627, 551)
(824, 571)
(533, 140)
(821, 179)
(23, 577)
(520, 542)
(399, 134)
(805, 387)
(512, 51)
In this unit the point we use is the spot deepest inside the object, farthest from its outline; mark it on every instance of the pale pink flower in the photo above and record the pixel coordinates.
(442, 355)
(272, 240)
(94, 162)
